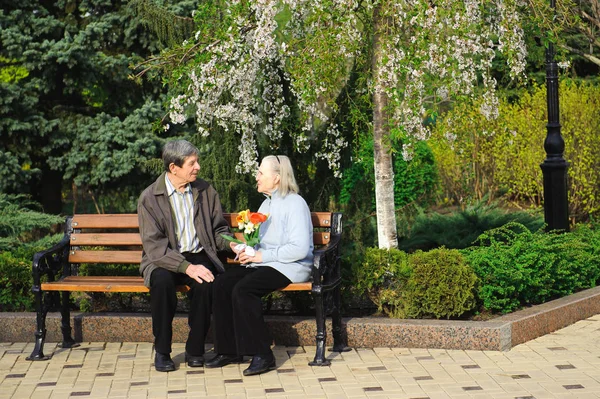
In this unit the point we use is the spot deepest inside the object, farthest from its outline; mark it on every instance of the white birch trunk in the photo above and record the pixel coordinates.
(384, 173)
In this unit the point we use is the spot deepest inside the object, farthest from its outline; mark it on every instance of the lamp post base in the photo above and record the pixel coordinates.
(556, 204)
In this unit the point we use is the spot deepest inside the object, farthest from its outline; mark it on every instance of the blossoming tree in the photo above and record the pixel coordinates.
(416, 53)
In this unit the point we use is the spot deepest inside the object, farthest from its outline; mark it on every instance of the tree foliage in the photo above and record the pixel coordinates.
(250, 49)
(583, 40)
(69, 114)
(477, 157)
(252, 66)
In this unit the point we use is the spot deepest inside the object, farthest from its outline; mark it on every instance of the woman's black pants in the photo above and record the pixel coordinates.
(163, 304)
(239, 326)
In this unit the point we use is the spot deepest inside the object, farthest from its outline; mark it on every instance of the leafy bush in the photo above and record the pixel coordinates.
(461, 228)
(15, 274)
(21, 226)
(477, 156)
(442, 285)
(22, 221)
(382, 276)
(517, 267)
(425, 284)
(15, 282)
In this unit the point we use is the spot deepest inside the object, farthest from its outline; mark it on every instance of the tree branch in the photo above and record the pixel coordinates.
(593, 20)
(588, 57)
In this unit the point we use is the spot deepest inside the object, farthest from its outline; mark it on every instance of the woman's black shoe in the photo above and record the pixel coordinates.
(163, 362)
(260, 364)
(223, 360)
(194, 361)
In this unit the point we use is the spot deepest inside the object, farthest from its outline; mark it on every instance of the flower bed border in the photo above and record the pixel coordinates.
(497, 334)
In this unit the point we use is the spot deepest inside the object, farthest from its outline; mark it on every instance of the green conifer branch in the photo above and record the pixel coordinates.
(170, 28)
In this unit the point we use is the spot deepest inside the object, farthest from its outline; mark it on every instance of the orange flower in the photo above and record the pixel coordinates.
(256, 218)
(249, 225)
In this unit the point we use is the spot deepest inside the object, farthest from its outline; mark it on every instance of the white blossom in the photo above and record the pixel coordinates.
(248, 228)
(433, 51)
(564, 64)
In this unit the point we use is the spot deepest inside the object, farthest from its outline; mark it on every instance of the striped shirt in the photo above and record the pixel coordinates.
(182, 209)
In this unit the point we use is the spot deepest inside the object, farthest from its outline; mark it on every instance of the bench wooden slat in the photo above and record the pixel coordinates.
(101, 221)
(124, 284)
(130, 220)
(319, 219)
(298, 287)
(121, 279)
(105, 256)
(96, 284)
(319, 237)
(119, 239)
(108, 239)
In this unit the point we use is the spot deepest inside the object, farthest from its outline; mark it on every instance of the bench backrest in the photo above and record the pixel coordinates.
(118, 235)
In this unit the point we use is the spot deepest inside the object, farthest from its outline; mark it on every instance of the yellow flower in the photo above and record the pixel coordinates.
(242, 217)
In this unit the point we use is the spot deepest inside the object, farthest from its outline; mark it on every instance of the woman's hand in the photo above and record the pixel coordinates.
(233, 246)
(245, 258)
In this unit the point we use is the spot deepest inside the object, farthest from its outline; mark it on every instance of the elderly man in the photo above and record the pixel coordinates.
(181, 222)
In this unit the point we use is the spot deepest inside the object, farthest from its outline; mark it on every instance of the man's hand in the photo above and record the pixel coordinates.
(200, 273)
(245, 258)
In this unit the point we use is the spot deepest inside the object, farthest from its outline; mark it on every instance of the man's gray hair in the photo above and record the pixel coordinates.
(177, 151)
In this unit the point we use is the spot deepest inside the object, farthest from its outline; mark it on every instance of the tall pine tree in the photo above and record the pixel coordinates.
(70, 116)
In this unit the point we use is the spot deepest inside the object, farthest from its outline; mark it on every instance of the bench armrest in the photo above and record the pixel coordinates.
(326, 264)
(51, 262)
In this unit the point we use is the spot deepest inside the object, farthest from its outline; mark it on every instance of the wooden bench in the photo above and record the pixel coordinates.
(115, 239)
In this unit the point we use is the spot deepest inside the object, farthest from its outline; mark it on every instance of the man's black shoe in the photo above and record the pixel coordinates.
(223, 360)
(163, 362)
(260, 364)
(194, 361)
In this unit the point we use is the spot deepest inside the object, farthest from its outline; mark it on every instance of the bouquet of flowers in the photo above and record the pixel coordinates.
(249, 224)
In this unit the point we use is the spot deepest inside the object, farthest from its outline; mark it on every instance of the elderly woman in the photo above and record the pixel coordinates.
(284, 256)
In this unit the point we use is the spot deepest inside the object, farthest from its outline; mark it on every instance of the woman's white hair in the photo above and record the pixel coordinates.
(281, 165)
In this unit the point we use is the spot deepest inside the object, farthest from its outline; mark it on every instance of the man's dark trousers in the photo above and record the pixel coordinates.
(163, 303)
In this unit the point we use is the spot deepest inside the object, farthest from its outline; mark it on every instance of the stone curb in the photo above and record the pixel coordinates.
(498, 334)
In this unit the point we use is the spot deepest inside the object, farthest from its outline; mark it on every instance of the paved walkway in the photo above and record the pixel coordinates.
(559, 365)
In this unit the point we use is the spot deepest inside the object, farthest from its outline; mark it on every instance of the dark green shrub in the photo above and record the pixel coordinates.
(441, 285)
(359, 234)
(382, 276)
(24, 230)
(15, 274)
(22, 221)
(460, 229)
(15, 283)
(517, 267)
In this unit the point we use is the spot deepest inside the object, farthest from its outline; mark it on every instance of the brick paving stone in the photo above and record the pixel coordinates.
(389, 386)
(563, 364)
(40, 394)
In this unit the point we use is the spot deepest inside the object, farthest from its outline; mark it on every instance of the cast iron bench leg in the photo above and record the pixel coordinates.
(65, 313)
(320, 359)
(339, 343)
(40, 320)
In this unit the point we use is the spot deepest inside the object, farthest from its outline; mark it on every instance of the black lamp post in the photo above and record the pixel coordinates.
(554, 167)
